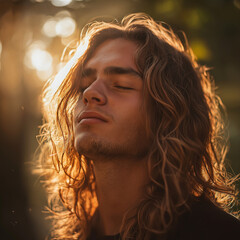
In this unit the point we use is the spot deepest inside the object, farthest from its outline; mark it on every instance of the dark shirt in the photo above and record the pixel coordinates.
(204, 221)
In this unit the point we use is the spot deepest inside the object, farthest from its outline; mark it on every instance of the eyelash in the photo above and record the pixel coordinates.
(82, 89)
(125, 88)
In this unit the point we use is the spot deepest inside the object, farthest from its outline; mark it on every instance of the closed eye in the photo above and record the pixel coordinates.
(122, 87)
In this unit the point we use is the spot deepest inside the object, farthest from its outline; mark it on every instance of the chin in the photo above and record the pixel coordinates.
(89, 146)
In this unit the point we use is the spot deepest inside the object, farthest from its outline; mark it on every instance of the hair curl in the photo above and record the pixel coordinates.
(185, 122)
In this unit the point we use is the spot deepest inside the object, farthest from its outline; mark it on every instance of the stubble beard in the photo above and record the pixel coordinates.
(96, 148)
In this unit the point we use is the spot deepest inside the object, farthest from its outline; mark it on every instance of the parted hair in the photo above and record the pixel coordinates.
(185, 119)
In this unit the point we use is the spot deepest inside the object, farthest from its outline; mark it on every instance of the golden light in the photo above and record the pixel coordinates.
(41, 59)
(28, 55)
(60, 3)
(65, 27)
(49, 27)
(0, 48)
(57, 80)
(45, 75)
(63, 13)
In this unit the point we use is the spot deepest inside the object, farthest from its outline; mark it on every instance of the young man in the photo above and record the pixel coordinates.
(136, 141)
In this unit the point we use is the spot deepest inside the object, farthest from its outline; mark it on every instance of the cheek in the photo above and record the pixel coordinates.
(132, 114)
(139, 118)
(78, 106)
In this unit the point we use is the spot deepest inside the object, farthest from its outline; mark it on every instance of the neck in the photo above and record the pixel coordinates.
(120, 187)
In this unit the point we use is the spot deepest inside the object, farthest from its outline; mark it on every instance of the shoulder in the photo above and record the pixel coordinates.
(206, 221)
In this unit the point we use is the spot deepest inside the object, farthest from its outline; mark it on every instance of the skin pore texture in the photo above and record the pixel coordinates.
(110, 129)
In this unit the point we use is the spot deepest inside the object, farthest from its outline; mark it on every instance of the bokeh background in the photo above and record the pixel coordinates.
(33, 35)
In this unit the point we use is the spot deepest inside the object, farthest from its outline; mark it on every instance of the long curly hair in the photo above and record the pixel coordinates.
(185, 119)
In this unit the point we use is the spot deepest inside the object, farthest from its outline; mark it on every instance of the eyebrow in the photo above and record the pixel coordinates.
(88, 72)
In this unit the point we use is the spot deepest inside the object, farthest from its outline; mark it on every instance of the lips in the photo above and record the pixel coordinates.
(91, 117)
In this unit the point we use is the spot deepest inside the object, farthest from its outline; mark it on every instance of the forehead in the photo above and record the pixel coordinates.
(119, 52)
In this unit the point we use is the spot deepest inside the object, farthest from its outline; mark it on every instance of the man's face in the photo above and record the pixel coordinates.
(109, 121)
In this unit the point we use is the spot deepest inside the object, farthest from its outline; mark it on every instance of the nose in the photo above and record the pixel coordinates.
(94, 94)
